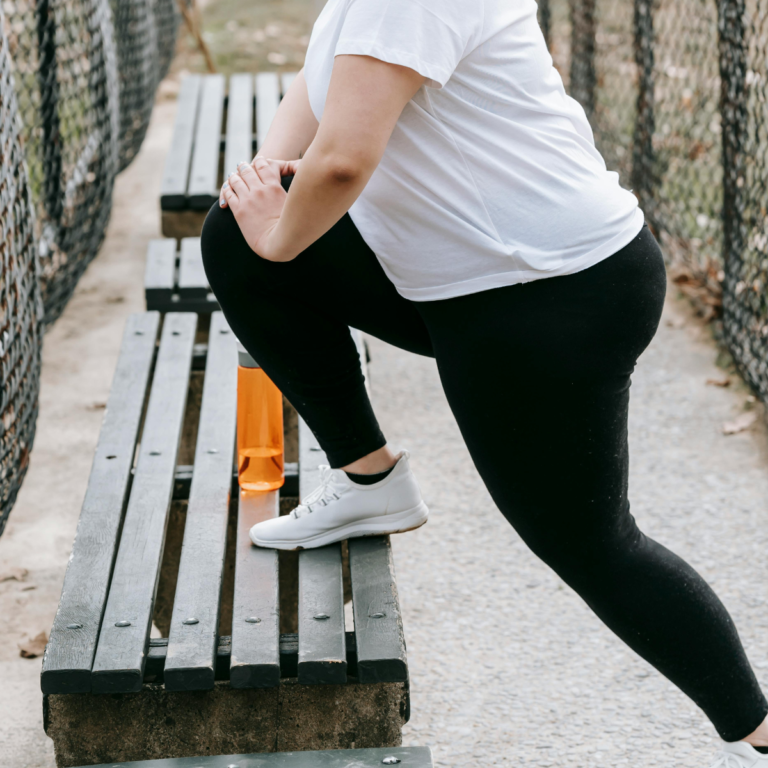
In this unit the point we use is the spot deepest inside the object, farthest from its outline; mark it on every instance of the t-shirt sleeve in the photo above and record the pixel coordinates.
(428, 36)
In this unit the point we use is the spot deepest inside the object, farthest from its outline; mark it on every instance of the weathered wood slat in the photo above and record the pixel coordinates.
(289, 657)
(267, 102)
(121, 652)
(255, 612)
(173, 187)
(69, 656)
(193, 282)
(160, 271)
(379, 635)
(191, 660)
(322, 651)
(239, 138)
(183, 480)
(285, 81)
(407, 757)
(204, 173)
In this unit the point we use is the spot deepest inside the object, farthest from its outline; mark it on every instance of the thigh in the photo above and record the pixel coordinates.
(335, 283)
(538, 378)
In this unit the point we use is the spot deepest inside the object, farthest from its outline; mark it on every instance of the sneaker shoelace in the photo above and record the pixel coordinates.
(727, 760)
(328, 490)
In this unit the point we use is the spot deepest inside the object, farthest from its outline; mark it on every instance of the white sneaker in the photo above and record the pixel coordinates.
(341, 509)
(739, 754)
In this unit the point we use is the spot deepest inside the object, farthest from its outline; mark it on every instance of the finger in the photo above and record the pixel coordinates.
(248, 175)
(237, 184)
(229, 198)
(266, 170)
(222, 198)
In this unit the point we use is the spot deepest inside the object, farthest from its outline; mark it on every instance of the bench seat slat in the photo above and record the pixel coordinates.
(239, 136)
(379, 635)
(160, 272)
(409, 757)
(191, 658)
(121, 652)
(193, 282)
(69, 656)
(255, 660)
(173, 187)
(267, 102)
(204, 173)
(322, 649)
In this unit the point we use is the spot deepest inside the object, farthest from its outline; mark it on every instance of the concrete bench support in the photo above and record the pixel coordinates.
(88, 729)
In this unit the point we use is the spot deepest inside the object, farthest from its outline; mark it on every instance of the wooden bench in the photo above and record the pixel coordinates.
(404, 757)
(218, 124)
(162, 543)
(175, 280)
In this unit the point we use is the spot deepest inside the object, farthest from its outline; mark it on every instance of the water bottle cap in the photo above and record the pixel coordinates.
(244, 359)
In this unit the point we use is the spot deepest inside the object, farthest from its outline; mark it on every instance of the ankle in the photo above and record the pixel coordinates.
(379, 461)
(759, 737)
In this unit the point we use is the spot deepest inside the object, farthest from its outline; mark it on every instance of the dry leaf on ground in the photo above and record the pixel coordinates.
(726, 382)
(740, 423)
(17, 574)
(33, 647)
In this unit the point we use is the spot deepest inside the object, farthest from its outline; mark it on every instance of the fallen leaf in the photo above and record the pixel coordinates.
(97, 406)
(33, 647)
(740, 423)
(726, 382)
(18, 574)
(27, 587)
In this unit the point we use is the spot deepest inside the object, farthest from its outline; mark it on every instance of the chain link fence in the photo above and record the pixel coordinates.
(86, 72)
(743, 59)
(77, 86)
(677, 95)
(21, 309)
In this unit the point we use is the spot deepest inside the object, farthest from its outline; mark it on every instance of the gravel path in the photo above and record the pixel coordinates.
(508, 665)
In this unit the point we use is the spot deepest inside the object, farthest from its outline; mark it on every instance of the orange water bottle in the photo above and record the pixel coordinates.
(260, 456)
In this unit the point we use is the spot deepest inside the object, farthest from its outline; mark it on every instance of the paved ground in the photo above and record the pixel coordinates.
(508, 666)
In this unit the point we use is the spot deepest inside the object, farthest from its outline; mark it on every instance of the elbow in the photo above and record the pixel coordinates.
(345, 170)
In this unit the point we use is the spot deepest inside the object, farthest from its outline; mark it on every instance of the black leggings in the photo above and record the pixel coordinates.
(537, 376)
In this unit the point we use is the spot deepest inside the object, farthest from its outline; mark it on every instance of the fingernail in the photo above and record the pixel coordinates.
(230, 174)
(241, 164)
(222, 202)
(226, 184)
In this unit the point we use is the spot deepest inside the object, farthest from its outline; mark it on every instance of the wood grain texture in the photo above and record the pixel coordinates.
(379, 635)
(159, 272)
(255, 612)
(322, 650)
(121, 652)
(173, 187)
(239, 137)
(69, 656)
(203, 178)
(191, 659)
(193, 282)
(267, 102)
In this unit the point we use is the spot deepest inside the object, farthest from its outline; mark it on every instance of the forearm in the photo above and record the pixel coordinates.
(346, 150)
(323, 190)
(294, 126)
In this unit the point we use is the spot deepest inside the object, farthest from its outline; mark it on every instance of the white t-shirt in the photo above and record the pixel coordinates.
(491, 176)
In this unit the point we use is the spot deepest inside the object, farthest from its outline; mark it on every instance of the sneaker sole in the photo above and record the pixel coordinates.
(409, 520)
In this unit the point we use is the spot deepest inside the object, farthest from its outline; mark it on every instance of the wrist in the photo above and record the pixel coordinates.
(274, 248)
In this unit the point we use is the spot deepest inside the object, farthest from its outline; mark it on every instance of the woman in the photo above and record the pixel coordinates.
(449, 199)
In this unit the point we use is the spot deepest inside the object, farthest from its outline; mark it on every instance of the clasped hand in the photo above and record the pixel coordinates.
(256, 198)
